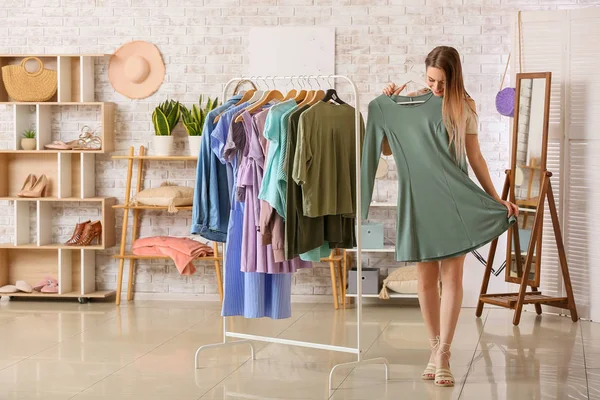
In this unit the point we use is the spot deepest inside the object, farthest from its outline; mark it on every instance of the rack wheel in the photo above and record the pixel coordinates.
(83, 300)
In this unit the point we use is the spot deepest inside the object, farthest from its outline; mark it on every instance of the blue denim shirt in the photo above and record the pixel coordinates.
(210, 211)
(219, 134)
(219, 139)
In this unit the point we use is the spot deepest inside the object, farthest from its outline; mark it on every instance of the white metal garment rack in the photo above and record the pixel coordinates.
(246, 338)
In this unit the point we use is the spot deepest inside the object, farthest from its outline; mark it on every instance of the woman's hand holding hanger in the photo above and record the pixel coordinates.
(392, 89)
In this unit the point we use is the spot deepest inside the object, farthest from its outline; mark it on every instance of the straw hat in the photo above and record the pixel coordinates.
(136, 69)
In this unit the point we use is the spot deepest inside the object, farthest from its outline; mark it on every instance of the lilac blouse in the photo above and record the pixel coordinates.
(255, 256)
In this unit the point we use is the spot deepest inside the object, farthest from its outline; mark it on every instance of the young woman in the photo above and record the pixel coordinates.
(444, 77)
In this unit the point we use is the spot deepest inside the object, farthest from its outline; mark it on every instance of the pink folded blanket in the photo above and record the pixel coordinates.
(181, 250)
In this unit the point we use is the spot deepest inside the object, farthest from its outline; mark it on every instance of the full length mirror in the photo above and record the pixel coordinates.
(530, 140)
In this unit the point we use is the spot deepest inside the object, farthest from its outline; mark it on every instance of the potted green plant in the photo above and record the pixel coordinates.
(164, 118)
(28, 142)
(193, 122)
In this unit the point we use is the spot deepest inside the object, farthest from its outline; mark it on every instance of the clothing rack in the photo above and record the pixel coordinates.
(246, 338)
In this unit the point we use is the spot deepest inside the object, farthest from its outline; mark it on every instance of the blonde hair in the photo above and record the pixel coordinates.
(454, 111)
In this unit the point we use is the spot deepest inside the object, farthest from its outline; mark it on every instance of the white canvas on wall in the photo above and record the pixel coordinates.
(291, 51)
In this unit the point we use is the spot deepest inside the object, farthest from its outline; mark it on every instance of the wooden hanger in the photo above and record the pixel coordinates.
(290, 95)
(268, 96)
(307, 99)
(257, 95)
(309, 95)
(300, 96)
(318, 96)
(246, 97)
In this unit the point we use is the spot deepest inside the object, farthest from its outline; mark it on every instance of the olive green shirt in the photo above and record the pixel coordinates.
(309, 238)
(325, 159)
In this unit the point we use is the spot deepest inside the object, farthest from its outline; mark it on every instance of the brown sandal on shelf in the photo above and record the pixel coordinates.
(92, 231)
(77, 233)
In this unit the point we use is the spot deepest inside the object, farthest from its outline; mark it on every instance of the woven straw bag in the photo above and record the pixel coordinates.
(22, 85)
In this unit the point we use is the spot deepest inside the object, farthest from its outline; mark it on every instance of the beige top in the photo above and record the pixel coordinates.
(472, 120)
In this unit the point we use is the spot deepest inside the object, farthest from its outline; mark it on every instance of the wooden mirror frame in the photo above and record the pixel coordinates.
(512, 238)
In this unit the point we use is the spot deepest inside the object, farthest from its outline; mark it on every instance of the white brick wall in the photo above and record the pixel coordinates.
(204, 44)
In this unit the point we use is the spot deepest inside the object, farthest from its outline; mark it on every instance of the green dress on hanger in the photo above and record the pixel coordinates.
(442, 213)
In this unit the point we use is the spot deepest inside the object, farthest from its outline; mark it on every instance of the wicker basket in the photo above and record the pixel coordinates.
(22, 85)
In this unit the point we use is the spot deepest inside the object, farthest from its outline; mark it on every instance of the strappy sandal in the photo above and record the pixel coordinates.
(429, 373)
(87, 140)
(443, 376)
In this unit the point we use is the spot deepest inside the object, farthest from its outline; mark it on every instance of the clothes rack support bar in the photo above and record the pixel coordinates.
(288, 342)
(357, 350)
(353, 364)
(212, 346)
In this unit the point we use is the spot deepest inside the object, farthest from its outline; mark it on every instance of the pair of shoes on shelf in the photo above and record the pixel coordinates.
(19, 286)
(85, 233)
(47, 285)
(34, 187)
(87, 141)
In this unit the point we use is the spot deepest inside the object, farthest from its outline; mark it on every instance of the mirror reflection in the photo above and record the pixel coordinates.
(528, 178)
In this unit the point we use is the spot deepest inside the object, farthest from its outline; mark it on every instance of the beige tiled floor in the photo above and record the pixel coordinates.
(145, 350)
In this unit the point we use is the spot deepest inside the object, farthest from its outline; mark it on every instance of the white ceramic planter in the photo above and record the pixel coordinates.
(194, 145)
(163, 145)
(28, 144)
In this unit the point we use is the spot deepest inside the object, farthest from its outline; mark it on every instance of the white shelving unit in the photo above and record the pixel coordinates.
(387, 249)
(72, 178)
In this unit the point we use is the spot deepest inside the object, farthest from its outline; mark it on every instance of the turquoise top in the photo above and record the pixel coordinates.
(270, 190)
(442, 213)
(281, 169)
